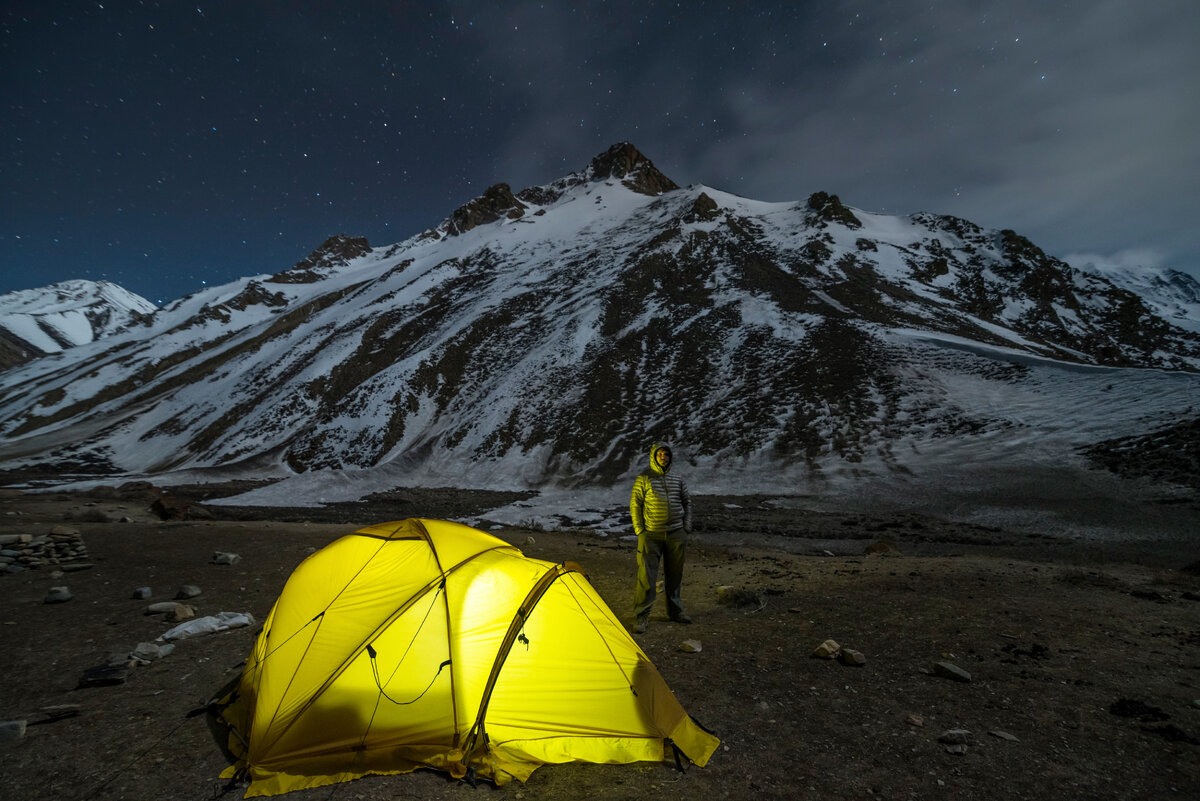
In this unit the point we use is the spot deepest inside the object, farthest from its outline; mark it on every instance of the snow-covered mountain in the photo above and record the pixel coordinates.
(1171, 294)
(34, 322)
(549, 335)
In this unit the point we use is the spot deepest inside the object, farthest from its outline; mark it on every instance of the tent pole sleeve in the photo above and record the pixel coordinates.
(514, 628)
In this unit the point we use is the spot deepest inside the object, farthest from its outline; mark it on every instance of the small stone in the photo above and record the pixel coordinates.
(949, 670)
(103, 676)
(1196, 703)
(145, 651)
(1003, 735)
(187, 591)
(58, 595)
(12, 730)
(954, 737)
(141, 593)
(530, 541)
(65, 531)
(223, 558)
(59, 711)
(690, 646)
(181, 612)
(915, 720)
(161, 608)
(827, 650)
(957, 750)
(848, 656)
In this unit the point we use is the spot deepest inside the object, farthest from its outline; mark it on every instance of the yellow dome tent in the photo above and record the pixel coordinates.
(427, 643)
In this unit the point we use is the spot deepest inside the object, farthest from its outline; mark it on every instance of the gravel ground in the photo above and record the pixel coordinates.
(1088, 656)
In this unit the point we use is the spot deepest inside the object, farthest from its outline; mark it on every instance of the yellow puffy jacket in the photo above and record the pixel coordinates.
(659, 502)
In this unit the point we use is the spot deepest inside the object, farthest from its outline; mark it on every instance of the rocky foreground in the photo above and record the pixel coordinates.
(962, 663)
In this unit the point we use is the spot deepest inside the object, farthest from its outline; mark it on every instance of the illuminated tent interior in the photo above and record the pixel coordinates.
(425, 643)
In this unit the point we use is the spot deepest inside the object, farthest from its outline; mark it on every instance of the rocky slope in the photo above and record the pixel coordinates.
(549, 335)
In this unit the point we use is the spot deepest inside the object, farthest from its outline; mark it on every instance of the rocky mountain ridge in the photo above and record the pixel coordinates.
(35, 322)
(548, 335)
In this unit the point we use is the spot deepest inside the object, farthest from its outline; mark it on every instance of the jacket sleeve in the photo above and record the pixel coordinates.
(686, 499)
(637, 501)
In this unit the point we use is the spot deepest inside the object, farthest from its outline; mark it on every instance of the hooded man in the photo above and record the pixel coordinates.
(662, 517)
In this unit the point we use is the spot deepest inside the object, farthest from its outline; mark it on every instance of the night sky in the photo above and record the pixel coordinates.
(161, 145)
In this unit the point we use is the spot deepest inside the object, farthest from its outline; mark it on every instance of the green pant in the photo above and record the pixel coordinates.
(654, 547)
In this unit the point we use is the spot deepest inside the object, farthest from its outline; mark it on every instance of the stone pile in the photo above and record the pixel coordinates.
(63, 547)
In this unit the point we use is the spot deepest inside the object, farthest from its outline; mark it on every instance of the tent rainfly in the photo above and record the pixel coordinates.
(425, 643)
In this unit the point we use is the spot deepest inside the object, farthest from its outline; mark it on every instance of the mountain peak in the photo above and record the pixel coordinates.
(336, 251)
(637, 172)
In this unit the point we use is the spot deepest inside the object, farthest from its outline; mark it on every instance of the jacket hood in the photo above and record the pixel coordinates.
(654, 449)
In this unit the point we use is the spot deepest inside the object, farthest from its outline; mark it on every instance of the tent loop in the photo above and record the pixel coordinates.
(678, 754)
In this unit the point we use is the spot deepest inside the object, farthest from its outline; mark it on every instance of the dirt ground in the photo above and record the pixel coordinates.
(1088, 658)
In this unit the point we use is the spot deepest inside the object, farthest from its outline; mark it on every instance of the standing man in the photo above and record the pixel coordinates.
(662, 517)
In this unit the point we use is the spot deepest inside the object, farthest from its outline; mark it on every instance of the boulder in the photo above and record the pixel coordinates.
(690, 646)
(181, 612)
(187, 591)
(827, 650)
(162, 608)
(224, 558)
(848, 656)
(141, 593)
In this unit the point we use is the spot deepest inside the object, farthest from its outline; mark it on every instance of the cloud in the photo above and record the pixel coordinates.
(1139, 260)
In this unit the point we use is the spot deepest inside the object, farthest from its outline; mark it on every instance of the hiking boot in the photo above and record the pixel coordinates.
(682, 618)
(640, 626)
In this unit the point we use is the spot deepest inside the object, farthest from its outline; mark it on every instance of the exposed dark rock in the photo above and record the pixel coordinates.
(1172, 733)
(705, 209)
(104, 676)
(1168, 454)
(169, 507)
(495, 203)
(1132, 708)
(828, 208)
(335, 251)
(539, 196)
(637, 172)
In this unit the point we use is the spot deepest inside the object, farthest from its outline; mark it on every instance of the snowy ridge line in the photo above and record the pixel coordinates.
(544, 337)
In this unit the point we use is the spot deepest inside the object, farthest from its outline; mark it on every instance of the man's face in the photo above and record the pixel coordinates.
(663, 457)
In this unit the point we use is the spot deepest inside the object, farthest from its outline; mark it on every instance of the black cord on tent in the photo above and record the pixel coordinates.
(375, 671)
(375, 668)
(678, 762)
